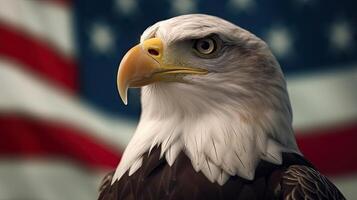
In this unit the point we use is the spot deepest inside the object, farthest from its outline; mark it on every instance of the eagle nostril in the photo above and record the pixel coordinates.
(153, 52)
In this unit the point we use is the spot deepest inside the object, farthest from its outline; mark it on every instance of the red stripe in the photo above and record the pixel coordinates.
(332, 151)
(38, 56)
(26, 138)
(61, 2)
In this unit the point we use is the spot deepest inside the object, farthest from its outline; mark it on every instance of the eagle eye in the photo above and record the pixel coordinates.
(205, 46)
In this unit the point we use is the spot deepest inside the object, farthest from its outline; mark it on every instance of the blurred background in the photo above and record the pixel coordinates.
(63, 126)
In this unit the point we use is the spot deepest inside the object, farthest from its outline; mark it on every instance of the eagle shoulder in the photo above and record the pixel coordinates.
(294, 179)
(106, 181)
(303, 182)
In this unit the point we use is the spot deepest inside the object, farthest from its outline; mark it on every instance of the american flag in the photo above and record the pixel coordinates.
(63, 126)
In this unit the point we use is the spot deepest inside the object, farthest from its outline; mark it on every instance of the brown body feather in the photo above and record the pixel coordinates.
(294, 179)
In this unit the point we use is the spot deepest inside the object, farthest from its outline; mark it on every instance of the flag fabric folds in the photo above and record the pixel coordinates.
(62, 124)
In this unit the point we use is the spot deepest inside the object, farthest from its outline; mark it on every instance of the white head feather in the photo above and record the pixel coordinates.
(225, 121)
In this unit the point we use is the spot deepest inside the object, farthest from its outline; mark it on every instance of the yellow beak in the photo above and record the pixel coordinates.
(143, 65)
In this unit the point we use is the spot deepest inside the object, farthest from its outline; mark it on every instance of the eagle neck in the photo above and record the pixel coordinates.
(220, 143)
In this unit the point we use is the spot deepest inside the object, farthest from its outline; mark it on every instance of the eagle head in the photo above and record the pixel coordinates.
(210, 89)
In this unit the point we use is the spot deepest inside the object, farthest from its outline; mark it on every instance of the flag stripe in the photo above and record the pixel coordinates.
(44, 139)
(37, 56)
(61, 2)
(347, 185)
(47, 179)
(324, 98)
(24, 137)
(49, 21)
(40, 100)
(333, 151)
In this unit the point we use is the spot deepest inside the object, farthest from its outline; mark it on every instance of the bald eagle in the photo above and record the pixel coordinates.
(216, 119)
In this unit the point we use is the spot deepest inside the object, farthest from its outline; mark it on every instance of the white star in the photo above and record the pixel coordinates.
(102, 38)
(280, 41)
(126, 7)
(180, 7)
(340, 35)
(242, 5)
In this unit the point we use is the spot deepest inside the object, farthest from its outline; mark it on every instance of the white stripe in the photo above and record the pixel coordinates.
(22, 92)
(324, 99)
(47, 180)
(318, 100)
(42, 19)
(347, 185)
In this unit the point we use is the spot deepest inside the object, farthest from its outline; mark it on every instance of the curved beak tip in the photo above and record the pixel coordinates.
(123, 92)
(125, 101)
